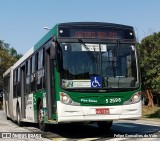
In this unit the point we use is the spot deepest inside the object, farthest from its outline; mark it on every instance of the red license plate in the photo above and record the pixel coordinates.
(102, 111)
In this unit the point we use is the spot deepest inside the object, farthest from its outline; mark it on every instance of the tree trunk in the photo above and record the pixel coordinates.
(158, 100)
(150, 98)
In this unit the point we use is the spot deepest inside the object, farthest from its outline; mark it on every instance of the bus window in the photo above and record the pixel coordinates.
(28, 68)
(40, 59)
(18, 83)
(33, 74)
(28, 77)
(15, 83)
(33, 64)
(6, 86)
(40, 72)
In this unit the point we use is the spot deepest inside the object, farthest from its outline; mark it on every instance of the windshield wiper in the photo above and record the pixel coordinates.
(91, 55)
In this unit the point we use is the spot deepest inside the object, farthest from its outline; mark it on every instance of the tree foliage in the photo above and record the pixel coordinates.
(8, 56)
(150, 62)
(149, 53)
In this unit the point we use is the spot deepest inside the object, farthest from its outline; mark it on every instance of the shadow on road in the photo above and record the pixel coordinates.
(77, 131)
(133, 128)
(87, 131)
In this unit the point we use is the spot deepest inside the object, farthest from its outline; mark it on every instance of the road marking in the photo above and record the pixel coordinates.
(143, 123)
(59, 139)
(116, 139)
(124, 125)
(88, 139)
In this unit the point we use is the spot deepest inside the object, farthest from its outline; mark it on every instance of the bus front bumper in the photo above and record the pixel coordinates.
(70, 113)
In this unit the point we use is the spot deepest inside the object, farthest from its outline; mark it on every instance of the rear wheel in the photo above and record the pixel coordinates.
(1, 104)
(42, 125)
(6, 111)
(104, 125)
(7, 117)
(19, 122)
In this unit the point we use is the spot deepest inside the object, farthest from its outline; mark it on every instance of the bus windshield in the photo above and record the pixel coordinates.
(114, 64)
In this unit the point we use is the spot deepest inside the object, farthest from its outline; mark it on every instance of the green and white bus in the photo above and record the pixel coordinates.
(78, 72)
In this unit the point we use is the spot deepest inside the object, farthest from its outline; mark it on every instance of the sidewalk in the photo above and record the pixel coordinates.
(150, 120)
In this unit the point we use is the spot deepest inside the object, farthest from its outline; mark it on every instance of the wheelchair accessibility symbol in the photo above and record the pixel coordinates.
(96, 82)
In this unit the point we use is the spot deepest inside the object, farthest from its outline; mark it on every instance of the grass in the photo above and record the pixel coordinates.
(149, 112)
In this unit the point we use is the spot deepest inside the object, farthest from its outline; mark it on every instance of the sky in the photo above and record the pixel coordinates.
(22, 21)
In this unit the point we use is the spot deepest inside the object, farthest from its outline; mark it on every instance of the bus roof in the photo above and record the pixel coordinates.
(95, 24)
(20, 61)
(7, 72)
(45, 38)
(24, 57)
(53, 31)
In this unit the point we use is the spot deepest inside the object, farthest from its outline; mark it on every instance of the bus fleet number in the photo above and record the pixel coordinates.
(113, 100)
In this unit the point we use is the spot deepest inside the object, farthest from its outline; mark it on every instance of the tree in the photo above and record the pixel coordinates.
(18, 56)
(8, 56)
(149, 53)
(13, 52)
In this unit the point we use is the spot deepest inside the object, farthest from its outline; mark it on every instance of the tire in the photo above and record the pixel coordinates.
(104, 125)
(19, 122)
(7, 117)
(40, 118)
(1, 104)
(6, 112)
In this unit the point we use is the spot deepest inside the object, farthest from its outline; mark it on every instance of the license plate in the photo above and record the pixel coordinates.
(102, 111)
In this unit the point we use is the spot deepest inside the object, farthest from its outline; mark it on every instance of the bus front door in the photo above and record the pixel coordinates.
(50, 84)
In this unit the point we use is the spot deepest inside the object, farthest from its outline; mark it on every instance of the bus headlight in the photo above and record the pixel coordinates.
(136, 97)
(67, 100)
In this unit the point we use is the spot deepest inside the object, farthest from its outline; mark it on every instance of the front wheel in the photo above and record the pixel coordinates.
(42, 125)
(104, 125)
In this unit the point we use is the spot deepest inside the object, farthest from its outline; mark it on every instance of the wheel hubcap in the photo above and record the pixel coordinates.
(41, 116)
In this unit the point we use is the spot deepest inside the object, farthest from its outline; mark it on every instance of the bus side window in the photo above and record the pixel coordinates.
(18, 83)
(43, 79)
(28, 77)
(32, 73)
(6, 87)
(40, 71)
(14, 83)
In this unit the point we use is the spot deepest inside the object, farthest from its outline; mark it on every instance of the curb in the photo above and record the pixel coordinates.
(151, 119)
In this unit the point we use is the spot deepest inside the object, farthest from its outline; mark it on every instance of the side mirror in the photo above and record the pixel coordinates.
(53, 48)
(53, 51)
(54, 38)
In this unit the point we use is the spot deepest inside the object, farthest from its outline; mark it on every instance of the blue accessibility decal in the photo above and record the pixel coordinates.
(96, 82)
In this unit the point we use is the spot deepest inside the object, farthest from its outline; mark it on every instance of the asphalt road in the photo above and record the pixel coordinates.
(120, 131)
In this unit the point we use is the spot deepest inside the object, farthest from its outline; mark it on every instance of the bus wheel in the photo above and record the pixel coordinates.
(42, 125)
(7, 117)
(1, 105)
(19, 117)
(104, 125)
(6, 112)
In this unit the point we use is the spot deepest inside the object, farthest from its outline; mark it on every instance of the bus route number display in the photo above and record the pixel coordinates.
(95, 33)
(99, 35)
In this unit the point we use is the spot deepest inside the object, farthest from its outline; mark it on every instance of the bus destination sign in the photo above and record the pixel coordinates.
(99, 35)
(95, 33)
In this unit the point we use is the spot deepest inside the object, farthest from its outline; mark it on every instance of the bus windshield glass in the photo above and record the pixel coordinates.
(110, 65)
